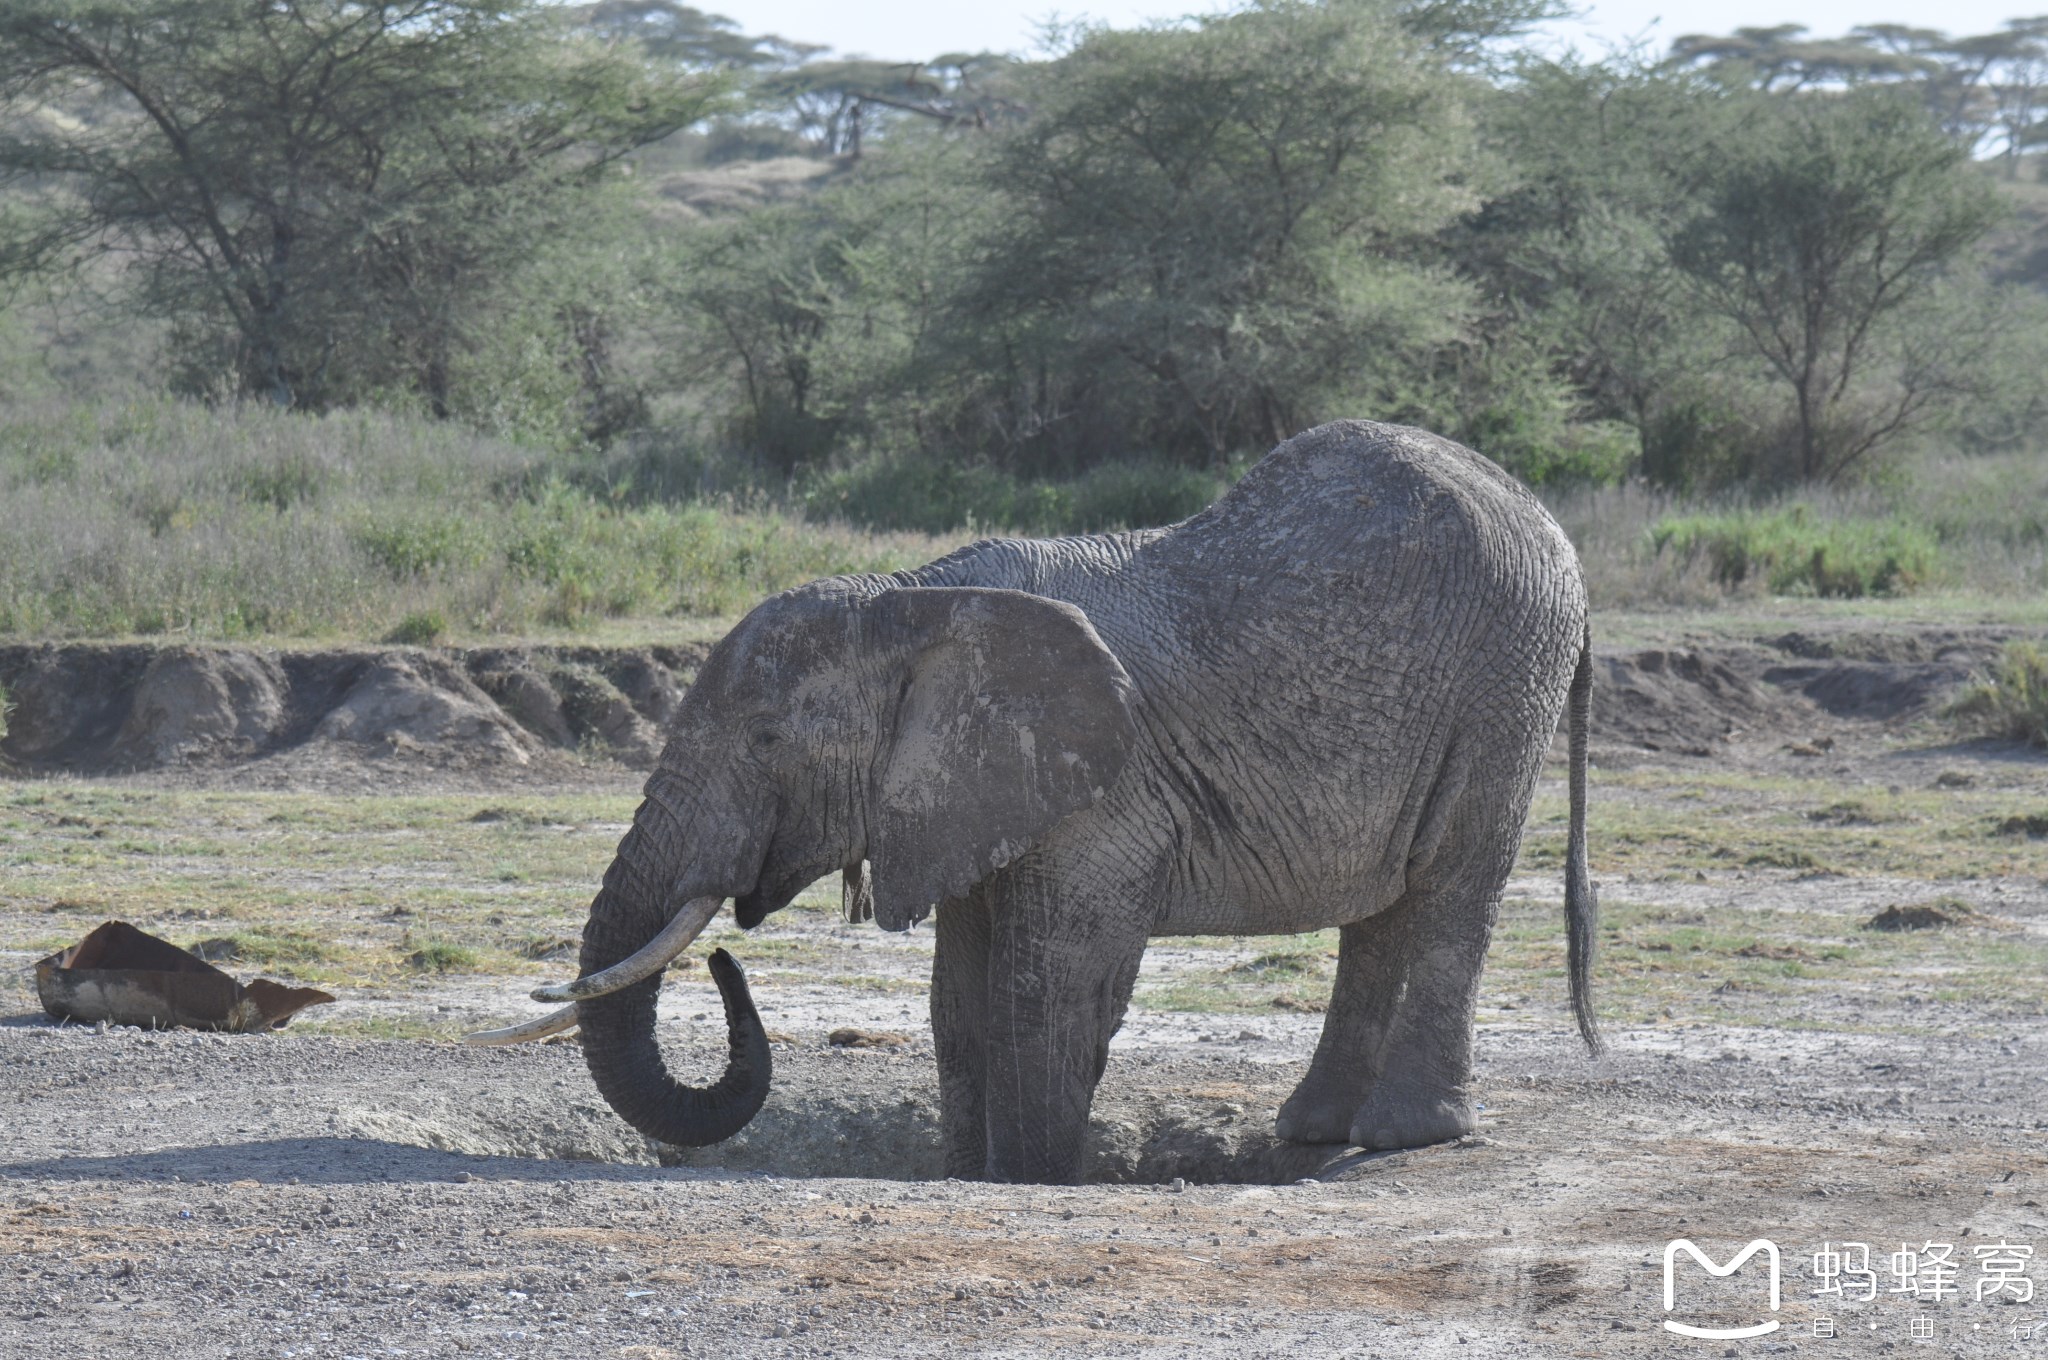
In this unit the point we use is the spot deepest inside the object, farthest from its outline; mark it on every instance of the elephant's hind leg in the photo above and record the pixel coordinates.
(1421, 1092)
(1369, 963)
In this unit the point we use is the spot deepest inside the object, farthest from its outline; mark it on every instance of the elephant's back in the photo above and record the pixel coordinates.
(1355, 487)
(1365, 603)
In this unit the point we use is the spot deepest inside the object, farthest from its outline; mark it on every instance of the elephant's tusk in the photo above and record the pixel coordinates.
(554, 1022)
(652, 957)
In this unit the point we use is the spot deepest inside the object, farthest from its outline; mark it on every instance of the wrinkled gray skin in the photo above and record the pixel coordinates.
(1324, 701)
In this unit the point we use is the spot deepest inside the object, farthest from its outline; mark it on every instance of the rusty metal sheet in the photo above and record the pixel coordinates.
(126, 976)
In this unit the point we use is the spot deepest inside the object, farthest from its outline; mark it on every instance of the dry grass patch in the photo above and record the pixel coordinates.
(1663, 823)
(156, 517)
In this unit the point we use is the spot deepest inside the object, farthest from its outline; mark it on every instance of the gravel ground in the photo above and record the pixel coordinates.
(306, 1195)
(208, 1196)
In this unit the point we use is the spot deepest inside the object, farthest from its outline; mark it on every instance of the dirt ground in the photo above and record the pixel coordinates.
(1779, 1070)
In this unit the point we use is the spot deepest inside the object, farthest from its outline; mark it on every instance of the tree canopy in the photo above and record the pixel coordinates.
(711, 259)
(313, 193)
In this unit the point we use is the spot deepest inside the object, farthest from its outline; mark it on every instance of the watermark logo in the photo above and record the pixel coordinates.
(1671, 1251)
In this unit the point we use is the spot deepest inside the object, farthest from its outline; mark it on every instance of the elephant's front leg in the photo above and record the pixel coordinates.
(960, 1031)
(1060, 976)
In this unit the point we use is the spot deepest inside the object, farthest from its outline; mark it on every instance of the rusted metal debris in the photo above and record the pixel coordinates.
(850, 1037)
(125, 976)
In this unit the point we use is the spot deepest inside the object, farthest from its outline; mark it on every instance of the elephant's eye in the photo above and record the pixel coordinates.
(765, 735)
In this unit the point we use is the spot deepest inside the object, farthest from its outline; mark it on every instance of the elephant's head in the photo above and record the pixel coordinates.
(928, 736)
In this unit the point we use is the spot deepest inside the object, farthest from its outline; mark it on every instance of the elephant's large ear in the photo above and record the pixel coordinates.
(1010, 714)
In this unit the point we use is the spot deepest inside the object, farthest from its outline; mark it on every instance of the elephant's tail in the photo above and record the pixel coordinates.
(1581, 905)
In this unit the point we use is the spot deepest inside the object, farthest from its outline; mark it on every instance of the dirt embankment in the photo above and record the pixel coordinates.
(1699, 700)
(94, 709)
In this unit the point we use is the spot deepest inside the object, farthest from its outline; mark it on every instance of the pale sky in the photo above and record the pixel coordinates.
(909, 29)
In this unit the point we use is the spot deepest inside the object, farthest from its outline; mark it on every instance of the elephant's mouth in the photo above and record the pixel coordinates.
(753, 908)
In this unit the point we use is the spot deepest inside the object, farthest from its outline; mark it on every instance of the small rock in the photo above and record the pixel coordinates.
(1946, 911)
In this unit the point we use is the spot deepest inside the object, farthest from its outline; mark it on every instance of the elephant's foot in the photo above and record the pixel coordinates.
(1391, 1118)
(966, 1155)
(1317, 1113)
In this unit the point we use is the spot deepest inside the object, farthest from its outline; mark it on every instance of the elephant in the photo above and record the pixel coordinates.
(1323, 702)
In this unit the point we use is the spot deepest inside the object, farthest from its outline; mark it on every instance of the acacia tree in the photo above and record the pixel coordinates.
(688, 37)
(1827, 227)
(813, 320)
(1209, 236)
(1782, 59)
(2019, 88)
(314, 193)
(1573, 254)
(1980, 88)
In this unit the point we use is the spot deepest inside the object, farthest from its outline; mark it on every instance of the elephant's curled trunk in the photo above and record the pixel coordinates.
(626, 1062)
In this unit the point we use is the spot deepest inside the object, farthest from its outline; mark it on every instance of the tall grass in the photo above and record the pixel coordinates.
(2011, 699)
(156, 517)
(159, 517)
(1945, 522)
(934, 496)
(1989, 514)
(1794, 551)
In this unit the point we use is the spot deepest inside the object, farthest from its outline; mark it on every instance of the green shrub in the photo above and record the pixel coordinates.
(419, 543)
(1795, 552)
(439, 956)
(293, 478)
(422, 629)
(1700, 446)
(1137, 495)
(928, 495)
(1548, 453)
(2011, 699)
(935, 496)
